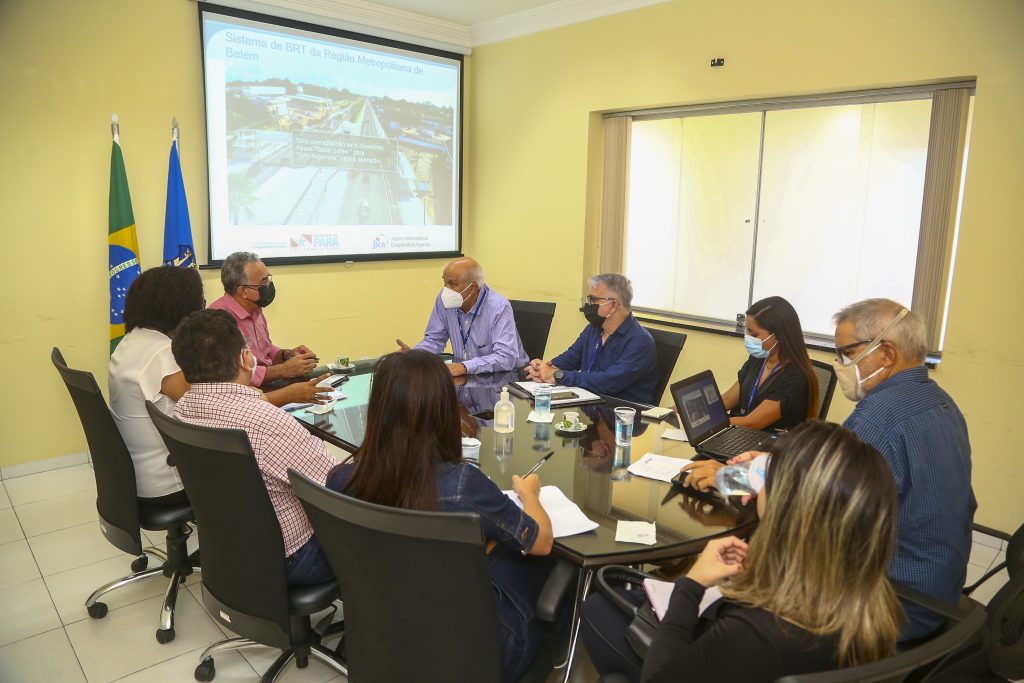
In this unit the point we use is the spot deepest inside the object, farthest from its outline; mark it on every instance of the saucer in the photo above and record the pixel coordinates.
(580, 427)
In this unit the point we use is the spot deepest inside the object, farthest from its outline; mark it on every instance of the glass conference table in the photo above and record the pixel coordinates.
(588, 467)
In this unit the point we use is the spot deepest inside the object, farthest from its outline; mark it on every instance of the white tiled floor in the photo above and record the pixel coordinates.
(52, 556)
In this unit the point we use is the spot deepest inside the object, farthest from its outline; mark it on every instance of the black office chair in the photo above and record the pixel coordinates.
(533, 322)
(121, 512)
(923, 661)
(244, 579)
(918, 663)
(668, 346)
(826, 375)
(1002, 653)
(418, 596)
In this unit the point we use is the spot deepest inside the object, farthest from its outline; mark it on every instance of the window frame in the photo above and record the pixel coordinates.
(613, 231)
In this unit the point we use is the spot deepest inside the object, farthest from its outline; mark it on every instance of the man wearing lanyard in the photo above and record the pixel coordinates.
(476, 319)
(614, 355)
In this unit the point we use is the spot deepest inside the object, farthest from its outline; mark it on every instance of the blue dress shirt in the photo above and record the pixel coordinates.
(921, 433)
(625, 366)
(484, 340)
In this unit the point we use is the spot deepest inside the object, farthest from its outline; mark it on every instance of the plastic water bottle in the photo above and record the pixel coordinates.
(542, 401)
(504, 414)
(742, 479)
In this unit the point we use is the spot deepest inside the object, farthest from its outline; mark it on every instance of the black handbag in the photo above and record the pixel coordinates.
(643, 621)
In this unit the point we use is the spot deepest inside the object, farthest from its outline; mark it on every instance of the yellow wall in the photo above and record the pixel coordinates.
(531, 186)
(535, 160)
(65, 66)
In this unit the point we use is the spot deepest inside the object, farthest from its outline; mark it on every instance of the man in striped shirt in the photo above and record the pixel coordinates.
(218, 364)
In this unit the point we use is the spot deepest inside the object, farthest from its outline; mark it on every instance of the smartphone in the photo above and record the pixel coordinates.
(337, 381)
(563, 395)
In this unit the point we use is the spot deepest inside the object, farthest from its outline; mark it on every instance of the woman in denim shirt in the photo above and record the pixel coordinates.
(411, 457)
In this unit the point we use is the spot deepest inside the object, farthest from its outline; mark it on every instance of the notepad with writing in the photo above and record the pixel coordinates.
(567, 519)
(659, 467)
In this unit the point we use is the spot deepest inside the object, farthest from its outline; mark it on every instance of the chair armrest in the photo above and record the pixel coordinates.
(996, 533)
(952, 612)
(555, 589)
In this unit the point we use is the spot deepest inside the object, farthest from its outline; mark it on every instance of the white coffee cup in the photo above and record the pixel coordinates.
(470, 449)
(572, 418)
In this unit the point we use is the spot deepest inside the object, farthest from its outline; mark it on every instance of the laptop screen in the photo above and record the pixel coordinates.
(700, 406)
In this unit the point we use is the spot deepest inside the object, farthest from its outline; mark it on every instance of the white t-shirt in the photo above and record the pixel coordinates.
(137, 369)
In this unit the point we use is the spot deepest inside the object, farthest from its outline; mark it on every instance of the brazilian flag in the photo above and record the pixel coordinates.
(124, 245)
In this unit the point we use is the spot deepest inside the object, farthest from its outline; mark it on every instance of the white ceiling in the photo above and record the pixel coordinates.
(466, 12)
(455, 25)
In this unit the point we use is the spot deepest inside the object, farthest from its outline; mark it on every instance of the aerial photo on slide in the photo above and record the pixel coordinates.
(353, 138)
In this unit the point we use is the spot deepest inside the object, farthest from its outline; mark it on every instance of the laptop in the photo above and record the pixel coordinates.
(699, 404)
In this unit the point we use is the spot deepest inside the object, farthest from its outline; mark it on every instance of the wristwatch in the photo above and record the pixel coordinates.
(559, 374)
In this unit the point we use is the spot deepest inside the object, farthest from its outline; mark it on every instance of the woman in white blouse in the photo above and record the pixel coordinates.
(142, 369)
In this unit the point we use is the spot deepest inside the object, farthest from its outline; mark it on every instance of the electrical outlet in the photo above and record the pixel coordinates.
(718, 61)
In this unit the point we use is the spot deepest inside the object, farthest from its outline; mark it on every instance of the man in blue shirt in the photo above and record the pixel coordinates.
(613, 356)
(476, 319)
(918, 429)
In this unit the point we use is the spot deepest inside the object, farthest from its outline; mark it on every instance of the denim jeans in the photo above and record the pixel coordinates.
(308, 565)
(518, 582)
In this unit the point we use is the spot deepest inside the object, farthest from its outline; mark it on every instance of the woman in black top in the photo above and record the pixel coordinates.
(776, 387)
(810, 592)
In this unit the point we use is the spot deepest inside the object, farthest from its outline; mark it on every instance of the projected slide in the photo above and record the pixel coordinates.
(322, 146)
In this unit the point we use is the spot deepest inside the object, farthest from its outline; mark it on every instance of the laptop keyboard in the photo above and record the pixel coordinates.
(734, 441)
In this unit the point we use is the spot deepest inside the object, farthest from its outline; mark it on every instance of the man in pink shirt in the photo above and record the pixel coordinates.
(248, 289)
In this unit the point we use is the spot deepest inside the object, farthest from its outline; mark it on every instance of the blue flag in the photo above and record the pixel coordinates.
(178, 249)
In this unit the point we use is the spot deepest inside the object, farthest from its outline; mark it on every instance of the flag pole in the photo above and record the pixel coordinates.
(175, 132)
(115, 129)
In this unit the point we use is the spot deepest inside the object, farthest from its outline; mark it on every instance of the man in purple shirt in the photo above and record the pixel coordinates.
(477, 320)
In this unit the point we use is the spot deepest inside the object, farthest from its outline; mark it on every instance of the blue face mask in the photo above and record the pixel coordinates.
(755, 346)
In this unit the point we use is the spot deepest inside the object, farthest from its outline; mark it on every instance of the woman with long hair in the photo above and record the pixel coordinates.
(776, 386)
(411, 458)
(810, 591)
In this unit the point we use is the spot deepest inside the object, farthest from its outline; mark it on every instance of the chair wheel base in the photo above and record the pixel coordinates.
(205, 671)
(97, 610)
(140, 563)
(164, 635)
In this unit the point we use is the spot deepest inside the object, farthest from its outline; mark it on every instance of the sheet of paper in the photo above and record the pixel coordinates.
(636, 532)
(334, 396)
(534, 416)
(660, 467)
(674, 434)
(566, 517)
(659, 594)
(710, 595)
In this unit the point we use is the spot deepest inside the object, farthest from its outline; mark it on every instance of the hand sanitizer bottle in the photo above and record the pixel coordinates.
(504, 414)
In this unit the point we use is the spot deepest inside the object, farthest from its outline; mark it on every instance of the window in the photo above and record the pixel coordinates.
(824, 202)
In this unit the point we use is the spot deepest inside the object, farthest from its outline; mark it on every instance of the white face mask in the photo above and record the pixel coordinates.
(452, 299)
(848, 373)
(849, 377)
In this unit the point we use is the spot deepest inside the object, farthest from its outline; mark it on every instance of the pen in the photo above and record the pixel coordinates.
(539, 463)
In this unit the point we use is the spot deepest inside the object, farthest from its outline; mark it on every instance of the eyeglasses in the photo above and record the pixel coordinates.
(269, 279)
(594, 299)
(842, 352)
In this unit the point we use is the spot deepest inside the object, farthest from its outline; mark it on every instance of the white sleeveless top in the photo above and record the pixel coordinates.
(137, 369)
